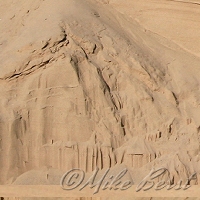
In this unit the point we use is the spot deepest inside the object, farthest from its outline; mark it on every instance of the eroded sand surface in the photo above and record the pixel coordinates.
(87, 84)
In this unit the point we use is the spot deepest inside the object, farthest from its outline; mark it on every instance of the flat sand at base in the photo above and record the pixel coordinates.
(57, 191)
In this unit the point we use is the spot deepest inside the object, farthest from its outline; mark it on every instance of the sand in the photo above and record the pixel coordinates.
(99, 84)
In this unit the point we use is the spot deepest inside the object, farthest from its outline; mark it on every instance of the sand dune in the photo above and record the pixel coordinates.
(87, 84)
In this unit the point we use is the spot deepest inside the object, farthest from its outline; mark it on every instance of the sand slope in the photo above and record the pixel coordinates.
(84, 85)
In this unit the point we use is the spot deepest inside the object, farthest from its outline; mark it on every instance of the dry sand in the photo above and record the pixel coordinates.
(99, 83)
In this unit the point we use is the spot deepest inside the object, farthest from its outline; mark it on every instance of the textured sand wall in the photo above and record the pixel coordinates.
(83, 85)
